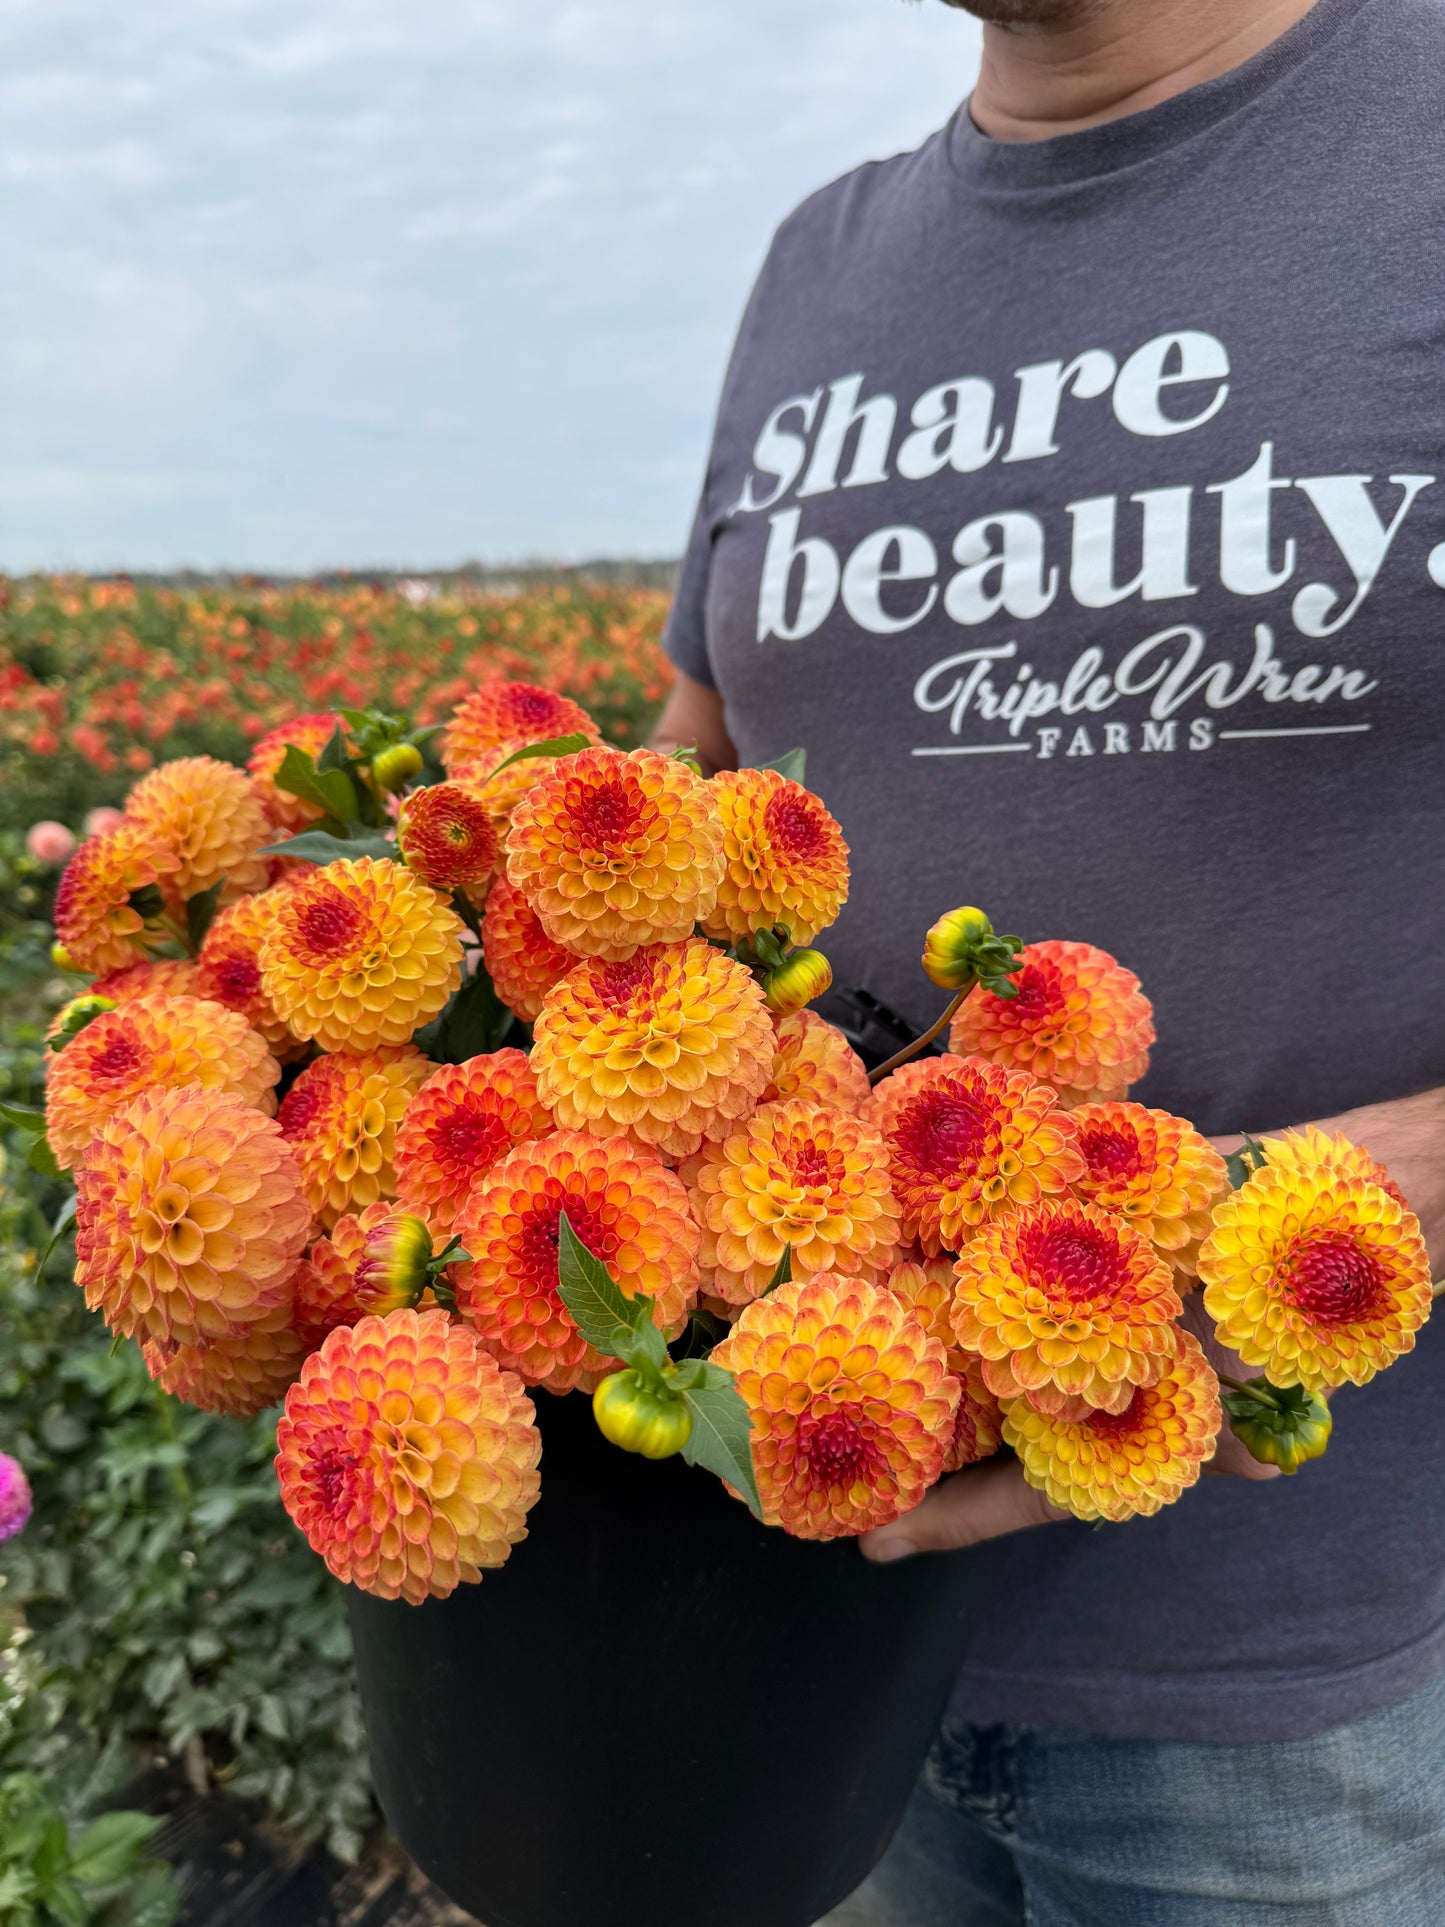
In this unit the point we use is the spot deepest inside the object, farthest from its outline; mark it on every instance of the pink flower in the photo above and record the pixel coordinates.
(50, 842)
(15, 1503)
(101, 819)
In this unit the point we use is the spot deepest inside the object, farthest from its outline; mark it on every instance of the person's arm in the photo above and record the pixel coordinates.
(989, 1500)
(694, 714)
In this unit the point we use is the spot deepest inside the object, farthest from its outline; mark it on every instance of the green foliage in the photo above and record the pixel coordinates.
(57, 1873)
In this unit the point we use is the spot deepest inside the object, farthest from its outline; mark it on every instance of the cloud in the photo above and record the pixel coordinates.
(404, 281)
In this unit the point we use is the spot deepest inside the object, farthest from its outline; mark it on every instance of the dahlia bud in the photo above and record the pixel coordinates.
(392, 1271)
(640, 1417)
(802, 976)
(395, 766)
(63, 960)
(1283, 1426)
(948, 949)
(79, 1012)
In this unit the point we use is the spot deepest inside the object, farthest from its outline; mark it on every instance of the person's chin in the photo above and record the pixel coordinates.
(1051, 14)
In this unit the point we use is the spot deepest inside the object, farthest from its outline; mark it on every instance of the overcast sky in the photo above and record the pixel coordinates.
(287, 284)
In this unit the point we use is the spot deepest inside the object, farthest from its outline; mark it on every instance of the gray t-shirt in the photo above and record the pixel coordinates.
(1080, 505)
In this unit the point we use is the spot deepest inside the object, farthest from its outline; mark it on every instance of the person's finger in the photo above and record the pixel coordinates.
(1232, 1458)
(983, 1502)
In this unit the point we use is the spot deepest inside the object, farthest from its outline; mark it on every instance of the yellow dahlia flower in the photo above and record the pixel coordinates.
(625, 1206)
(969, 1141)
(340, 1118)
(794, 1175)
(813, 1059)
(94, 921)
(926, 1285)
(1153, 1170)
(786, 861)
(1312, 1149)
(1316, 1277)
(673, 1046)
(228, 970)
(310, 734)
(360, 954)
(852, 1404)
(462, 1120)
(209, 816)
(1065, 1302)
(156, 977)
(407, 1457)
(615, 850)
(1079, 1022)
(189, 1218)
(151, 1043)
(238, 1376)
(522, 960)
(1127, 1464)
(502, 716)
(445, 836)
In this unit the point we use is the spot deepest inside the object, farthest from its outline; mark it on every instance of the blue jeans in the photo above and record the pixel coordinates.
(1022, 1827)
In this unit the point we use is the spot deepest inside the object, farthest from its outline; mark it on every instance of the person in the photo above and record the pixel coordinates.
(1077, 499)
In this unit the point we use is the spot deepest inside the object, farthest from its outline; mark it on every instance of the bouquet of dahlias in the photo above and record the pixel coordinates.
(401, 1099)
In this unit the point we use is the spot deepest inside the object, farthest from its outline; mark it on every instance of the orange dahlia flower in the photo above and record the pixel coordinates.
(522, 960)
(209, 817)
(852, 1404)
(94, 921)
(310, 734)
(445, 836)
(786, 861)
(238, 1376)
(813, 1059)
(1126, 1464)
(627, 1208)
(360, 954)
(189, 1218)
(671, 1047)
(156, 977)
(615, 850)
(927, 1286)
(340, 1118)
(150, 1043)
(968, 1141)
(1064, 1302)
(1317, 1277)
(228, 970)
(1153, 1170)
(462, 1120)
(502, 716)
(1079, 1022)
(794, 1174)
(407, 1457)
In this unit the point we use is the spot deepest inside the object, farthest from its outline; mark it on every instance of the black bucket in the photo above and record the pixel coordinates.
(658, 1711)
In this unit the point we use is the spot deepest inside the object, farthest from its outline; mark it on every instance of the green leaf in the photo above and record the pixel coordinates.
(722, 1431)
(553, 746)
(42, 1159)
(474, 1022)
(605, 1318)
(25, 1117)
(646, 1349)
(784, 1273)
(319, 846)
(147, 902)
(793, 765)
(334, 755)
(331, 790)
(201, 911)
(111, 1846)
(58, 1230)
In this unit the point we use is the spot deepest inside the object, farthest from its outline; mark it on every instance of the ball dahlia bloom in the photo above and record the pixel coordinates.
(16, 1504)
(340, 1118)
(670, 1047)
(1065, 1302)
(1153, 1170)
(926, 1285)
(1312, 1149)
(794, 1174)
(522, 960)
(625, 1206)
(503, 714)
(462, 1120)
(407, 1457)
(616, 850)
(310, 734)
(969, 1141)
(151, 1043)
(1126, 1464)
(445, 836)
(94, 920)
(1316, 1277)
(1079, 1022)
(157, 977)
(813, 1059)
(50, 842)
(785, 858)
(190, 1217)
(238, 1376)
(209, 816)
(360, 955)
(851, 1401)
(228, 970)
(101, 820)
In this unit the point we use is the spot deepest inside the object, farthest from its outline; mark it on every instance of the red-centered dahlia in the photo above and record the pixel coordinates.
(797, 1176)
(786, 861)
(616, 850)
(1079, 1022)
(1153, 1170)
(813, 1059)
(209, 817)
(446, 837)
(228, 970)
(360, 955)
(157, 977)
(627, 1208)
(1317, 1277)
(237, 1376)
(522, 960)
(1065, 1302)
(95, 922)
(310, 734)
(340, 1118)
(1126, 1464)
(151, 1043)
(669, 1048)
(462, 1120)
(926, 1284)
(500, 716)
(970, 1141)
(407, 1457)
(189, 1218)
(852, 1404)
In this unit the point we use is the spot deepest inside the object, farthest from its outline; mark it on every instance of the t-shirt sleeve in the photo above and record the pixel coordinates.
(685, 637)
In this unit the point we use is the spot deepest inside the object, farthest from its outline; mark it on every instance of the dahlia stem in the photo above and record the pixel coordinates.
(182, 937)
(180, 1478)
(922, 1043)
(1257, 1389)
(1439, 1290)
